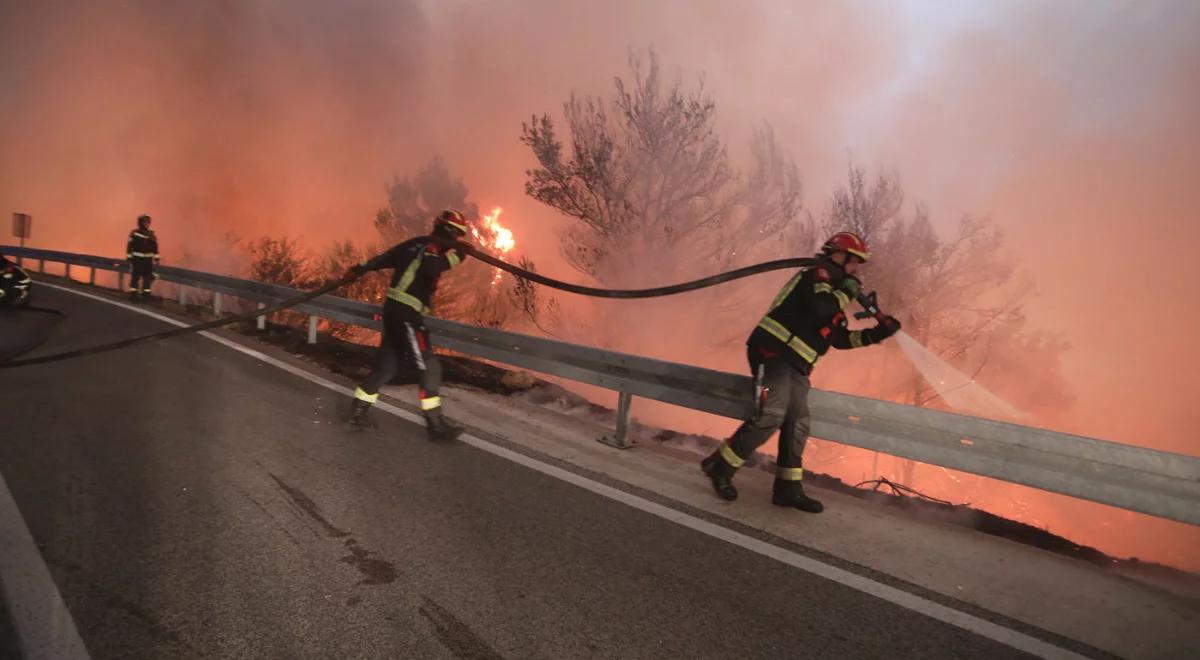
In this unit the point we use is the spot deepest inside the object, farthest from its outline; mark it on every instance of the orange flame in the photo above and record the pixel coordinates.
(494, 236)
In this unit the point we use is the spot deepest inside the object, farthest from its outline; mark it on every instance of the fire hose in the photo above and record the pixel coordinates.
(747, 271)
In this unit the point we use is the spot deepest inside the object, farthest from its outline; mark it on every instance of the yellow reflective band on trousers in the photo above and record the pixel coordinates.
(789, 474)
(400, 293)
(781, 333)
(731, 457)
(431, 403)
(453, 258)
(362, 395)
(147, 255)
(856, 339)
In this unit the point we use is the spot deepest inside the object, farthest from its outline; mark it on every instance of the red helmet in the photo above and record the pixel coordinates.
(451, 223)
(845, 241)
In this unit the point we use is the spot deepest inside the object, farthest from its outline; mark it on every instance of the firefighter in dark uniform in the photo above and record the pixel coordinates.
(14, 284)
(142, 252)
(418, 264)
(805, 319)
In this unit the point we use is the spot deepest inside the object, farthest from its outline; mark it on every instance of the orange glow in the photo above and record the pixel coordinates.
(494, 236)
(224, 121)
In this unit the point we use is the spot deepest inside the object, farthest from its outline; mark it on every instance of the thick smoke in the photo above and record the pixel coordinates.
(1071, 123)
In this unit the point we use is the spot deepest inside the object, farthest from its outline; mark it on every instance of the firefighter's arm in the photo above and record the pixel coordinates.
(829, 298)
(843, 338)
(381, 260)
(129, 247)
(454, 257)
(154, 246)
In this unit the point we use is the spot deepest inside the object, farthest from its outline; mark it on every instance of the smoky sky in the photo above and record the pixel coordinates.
(1071, 124)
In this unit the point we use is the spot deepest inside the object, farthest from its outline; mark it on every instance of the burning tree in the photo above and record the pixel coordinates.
(956, 295)
(279, 261)
(648, 177)
(413, 202)
(652, 190)
(472, 293)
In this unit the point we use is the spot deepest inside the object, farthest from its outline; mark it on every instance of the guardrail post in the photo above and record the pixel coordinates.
(261, 320)
(312, 329)
(92, 276)
(41, 265)
(217, 303)
(620, 439)
(182, 296)
(120, 281)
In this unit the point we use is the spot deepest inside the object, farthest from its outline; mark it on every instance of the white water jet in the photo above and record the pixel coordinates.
(958, 390)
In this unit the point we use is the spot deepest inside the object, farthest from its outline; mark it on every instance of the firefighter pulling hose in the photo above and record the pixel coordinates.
(805, 319)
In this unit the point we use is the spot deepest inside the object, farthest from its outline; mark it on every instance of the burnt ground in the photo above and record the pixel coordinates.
(354, 361)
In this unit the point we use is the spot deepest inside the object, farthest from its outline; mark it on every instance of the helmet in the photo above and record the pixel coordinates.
(143, 220)
(450, 223)
(845, 241)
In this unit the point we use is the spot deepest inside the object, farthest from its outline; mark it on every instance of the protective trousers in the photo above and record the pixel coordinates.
(141, 269)
(781, 402)
(404, 338)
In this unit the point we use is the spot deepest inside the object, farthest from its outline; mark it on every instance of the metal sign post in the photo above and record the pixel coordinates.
(22, 227)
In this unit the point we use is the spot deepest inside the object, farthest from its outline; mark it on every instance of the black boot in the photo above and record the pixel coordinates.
(791, 494)
(359, 418)
(721, 474)
(439, 428)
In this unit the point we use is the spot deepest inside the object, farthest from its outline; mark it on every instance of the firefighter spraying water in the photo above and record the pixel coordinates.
(805, 319)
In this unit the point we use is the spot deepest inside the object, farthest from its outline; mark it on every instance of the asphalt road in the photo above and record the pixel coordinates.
(191, 501)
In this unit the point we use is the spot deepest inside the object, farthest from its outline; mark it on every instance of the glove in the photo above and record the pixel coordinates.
(888, 326)
(851, 285)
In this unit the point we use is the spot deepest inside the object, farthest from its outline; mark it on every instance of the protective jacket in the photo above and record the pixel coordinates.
(418, 263)
(142, 244)
(806, 318)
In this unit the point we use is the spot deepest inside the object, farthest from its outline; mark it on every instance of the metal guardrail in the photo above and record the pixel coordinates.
(1159, 483)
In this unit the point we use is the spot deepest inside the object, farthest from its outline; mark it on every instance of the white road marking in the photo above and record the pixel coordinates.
(40, 618)
(949, 615)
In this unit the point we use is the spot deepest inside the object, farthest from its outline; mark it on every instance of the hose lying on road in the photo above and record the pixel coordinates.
(175, 332)
(656, 292)
(35, 336)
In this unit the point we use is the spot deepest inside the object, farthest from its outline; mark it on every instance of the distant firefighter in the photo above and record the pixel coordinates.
(142, 252)
(417, 265)
(14, 284)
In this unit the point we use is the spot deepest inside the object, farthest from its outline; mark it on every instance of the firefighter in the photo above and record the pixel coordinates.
(418, 263)
(142, 252)
(14, 284)
(805, 319)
